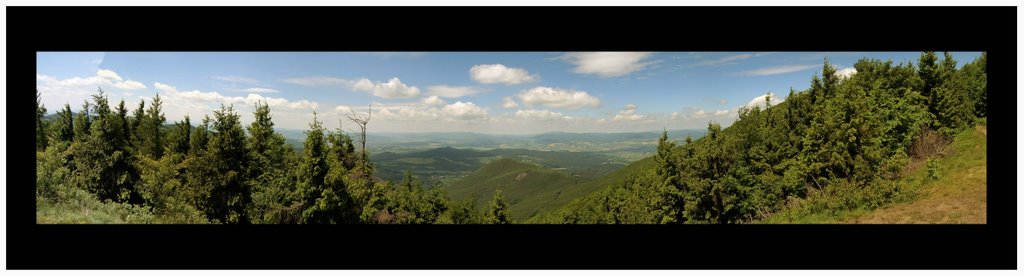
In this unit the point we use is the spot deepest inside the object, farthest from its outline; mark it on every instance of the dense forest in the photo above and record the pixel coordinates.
(852, 135)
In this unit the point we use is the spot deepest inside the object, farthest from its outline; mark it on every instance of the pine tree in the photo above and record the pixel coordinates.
(151, 128)
(499, 211)
(321, 202)
(138, 115)
(102, 160)
(62, 129)
(668, 167)
(272, 187)
(230, 194)
(953, 109)
(931, 75)
(41, 128)
(82, 123)
(124, 125)
(178, 139)
(200, 138)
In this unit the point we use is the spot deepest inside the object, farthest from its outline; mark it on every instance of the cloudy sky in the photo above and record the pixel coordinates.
(485, 92)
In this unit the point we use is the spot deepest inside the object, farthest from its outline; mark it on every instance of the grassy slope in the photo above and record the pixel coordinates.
(596, 187)
(529, 189)
(957, 196)
(81, 207)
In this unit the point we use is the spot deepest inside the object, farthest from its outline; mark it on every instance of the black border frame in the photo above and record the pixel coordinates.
(989, 246)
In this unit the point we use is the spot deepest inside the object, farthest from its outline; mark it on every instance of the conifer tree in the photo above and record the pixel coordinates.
(230, 194)
(62, 129)
(499, 211)
(41, 128)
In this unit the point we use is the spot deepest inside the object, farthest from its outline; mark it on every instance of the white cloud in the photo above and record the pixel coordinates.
(700, 113)
(451, 91)
(464, 111)
(421, 111)
(558, 98)
(171, 93)
(540, 115)
(363, 84)
(722, 101)
(394, 88)
(722, 112)
(130, 85)
(56, 92)
(108, 75)
(259, 90)
(498, 73)
(775, 70)
(628, 113)
(237, 79)
(760, 100)
(507, 102)
(608, 64)
(846, 72)
(433, 101)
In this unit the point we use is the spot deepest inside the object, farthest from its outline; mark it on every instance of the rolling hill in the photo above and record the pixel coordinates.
(532, 190)
(447, 164)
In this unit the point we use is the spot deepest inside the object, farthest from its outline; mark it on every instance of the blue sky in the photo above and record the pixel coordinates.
(486, 92)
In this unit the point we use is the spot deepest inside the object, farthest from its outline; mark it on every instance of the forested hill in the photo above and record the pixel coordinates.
(852, 135)
(848, 137)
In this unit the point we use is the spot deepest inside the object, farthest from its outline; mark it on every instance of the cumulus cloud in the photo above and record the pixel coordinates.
(608, 64)
(760, 100)
(558, 98)
(507, 102)
(171, 93)
(433, 101)
(846, 72)
(108, 75)
(75, 90)
(424, 111)
(722, 101)
(628, 113)
(130, 85)
(781, 69)
(464, 111)
(540, 115)
(394, 88)
(451, 91)
(722, 112)
(103, 77)
(700, 113)
(498, 73)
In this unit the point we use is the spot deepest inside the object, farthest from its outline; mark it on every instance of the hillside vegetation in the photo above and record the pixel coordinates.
(888, 143)
(447, 164)
(844, 144)
(531, 189)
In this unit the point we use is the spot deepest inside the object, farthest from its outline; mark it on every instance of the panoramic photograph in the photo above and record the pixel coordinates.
(511, 137)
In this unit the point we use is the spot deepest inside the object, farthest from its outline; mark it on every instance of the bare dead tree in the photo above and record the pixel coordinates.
(361, 123)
